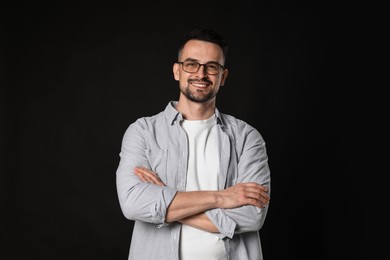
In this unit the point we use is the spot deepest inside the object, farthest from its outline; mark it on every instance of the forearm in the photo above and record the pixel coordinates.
(187, 204)
(200, 221)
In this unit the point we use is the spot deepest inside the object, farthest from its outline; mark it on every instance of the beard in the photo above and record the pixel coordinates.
(197, 96)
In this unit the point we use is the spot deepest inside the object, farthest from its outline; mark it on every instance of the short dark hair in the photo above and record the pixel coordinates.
(207, 35)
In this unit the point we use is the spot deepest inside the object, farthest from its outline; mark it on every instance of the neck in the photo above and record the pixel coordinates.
(196, 111)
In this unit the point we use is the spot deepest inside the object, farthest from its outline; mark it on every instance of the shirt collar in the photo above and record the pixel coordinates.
(173, 115)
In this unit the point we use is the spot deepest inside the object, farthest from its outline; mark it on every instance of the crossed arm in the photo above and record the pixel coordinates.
(189, 207)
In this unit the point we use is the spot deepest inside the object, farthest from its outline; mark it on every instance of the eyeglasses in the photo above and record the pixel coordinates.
(211, 68)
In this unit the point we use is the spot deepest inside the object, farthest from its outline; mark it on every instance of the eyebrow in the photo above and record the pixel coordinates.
(195, 60)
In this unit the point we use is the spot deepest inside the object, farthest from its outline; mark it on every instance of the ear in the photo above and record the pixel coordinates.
(224, 76)
(176, 71)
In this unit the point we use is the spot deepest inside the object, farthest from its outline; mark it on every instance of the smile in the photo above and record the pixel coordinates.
(199, 85)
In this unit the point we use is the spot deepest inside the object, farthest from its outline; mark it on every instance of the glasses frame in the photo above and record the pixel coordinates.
(204, 66)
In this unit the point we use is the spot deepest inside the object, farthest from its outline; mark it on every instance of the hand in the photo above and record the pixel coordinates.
(241, 194)
(147, 175)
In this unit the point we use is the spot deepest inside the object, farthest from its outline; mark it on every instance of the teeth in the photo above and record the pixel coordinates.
(199, 85)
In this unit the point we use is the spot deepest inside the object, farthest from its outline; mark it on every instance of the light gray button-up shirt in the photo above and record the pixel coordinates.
(160, 144)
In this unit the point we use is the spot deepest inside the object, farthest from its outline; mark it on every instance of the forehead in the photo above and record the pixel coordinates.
(202, 51)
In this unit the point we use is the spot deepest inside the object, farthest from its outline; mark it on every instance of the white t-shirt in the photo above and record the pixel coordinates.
(202, 174)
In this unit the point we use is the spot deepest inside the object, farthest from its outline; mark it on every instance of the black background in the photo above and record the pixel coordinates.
(74, 76)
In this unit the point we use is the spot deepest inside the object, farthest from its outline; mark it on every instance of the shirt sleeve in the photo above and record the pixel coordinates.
(138, 200)
(252, 167)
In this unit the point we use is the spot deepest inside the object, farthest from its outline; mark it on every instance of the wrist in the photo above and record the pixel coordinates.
(218, 199)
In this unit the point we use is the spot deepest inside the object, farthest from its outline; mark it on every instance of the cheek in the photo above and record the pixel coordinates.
(183, 84)
(217, 81)
(183, 81)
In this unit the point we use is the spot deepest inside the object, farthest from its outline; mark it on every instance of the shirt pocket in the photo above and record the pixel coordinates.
(157, 159)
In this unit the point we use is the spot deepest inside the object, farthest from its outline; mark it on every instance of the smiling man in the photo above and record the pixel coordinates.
(195, 181)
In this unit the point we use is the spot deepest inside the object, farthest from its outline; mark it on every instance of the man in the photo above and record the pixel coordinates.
(195, 181)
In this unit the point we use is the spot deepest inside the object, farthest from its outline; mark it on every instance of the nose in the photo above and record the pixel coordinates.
(202, 71)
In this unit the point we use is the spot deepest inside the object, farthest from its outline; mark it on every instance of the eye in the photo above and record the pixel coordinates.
(212, 66)
(191, 64)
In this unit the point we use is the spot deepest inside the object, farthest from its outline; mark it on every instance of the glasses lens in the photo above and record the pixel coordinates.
(212, 68)
(191, 66)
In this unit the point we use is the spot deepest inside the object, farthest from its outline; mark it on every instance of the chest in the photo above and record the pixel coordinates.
(170, 155)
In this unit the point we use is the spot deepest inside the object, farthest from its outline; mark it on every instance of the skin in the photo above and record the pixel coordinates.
(197, 101)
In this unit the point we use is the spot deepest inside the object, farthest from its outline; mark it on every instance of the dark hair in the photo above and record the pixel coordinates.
(207, 35)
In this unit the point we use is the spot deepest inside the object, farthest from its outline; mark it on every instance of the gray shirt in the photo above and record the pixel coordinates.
(159, 143)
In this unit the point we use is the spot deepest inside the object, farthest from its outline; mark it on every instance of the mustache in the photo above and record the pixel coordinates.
(204, 80)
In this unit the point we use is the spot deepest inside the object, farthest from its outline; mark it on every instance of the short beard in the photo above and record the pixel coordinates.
(189, 95)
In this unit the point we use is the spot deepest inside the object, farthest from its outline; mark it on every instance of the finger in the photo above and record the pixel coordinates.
(142, 178)
(145, 178)
(255, 185)
(264, 201)
(159, 183)
(260, 193)
(256, 203)
(153, 177)
(151, 180)
(145, 172)
(148, 176)
(141, 175)
(262, 198)
(254, 189)
(141, 169)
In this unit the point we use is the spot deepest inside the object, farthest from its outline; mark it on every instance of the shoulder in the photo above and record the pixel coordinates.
(235, 124)
(145, 123)
(240, 129)
(148, 121)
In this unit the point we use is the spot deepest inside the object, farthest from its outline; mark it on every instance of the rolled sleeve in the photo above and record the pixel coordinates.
(224, 223)
(144, 201)
(159, 208)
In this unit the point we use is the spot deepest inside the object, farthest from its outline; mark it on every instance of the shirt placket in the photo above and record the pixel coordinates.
(180, 180)
(224, 153)
(224, 160)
